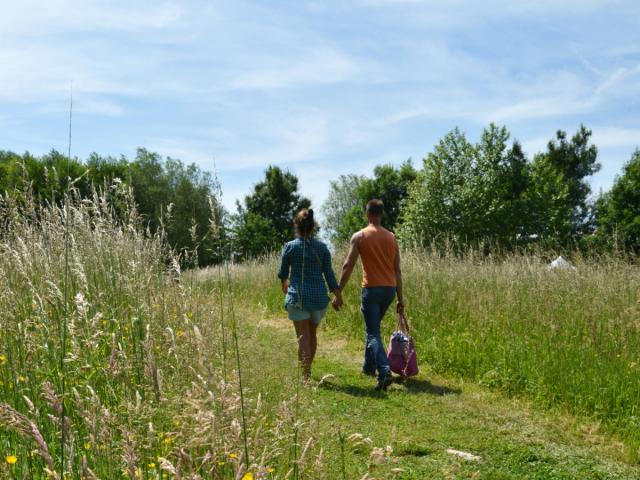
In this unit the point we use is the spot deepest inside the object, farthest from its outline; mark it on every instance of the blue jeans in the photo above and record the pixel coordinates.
(375, 302)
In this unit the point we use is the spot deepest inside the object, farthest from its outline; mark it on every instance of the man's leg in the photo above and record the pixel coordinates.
(368, 312)
(387, 294)
(373, 307)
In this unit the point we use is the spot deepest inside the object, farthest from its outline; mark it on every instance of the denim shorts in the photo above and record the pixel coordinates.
(297, 315)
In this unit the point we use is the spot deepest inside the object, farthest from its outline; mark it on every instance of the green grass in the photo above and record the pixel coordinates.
(565, 340)
(152, 385)
(419, 420)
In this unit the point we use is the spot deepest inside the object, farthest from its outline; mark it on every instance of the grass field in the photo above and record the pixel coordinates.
(531, 370)
(563, 339)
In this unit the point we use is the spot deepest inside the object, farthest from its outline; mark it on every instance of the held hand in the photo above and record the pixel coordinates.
(400, 307)
(285, 286)
(337, 304)
(337, 301)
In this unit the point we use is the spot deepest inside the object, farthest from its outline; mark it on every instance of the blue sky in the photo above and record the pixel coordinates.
(322, 88)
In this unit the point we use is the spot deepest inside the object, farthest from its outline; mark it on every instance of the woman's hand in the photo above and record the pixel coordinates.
(337, 301)
(285, 286)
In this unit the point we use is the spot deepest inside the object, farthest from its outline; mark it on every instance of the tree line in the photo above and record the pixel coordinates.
(486, 195)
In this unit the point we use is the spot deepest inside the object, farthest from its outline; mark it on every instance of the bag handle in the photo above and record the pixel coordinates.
(402, 324)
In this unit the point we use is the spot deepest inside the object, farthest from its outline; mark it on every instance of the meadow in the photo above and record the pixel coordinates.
(564, 339)
(115, 363)
(112, 365)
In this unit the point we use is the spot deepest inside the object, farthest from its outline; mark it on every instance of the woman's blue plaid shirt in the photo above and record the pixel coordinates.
(308, 292)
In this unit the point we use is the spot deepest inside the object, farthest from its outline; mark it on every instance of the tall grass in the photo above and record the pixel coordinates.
(564, 339)
(143, 366)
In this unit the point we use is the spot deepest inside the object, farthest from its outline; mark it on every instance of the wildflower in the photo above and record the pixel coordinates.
(233, 455)
(3, 360)
(152, 466)
(248, 476)
(11, 459)
(167, 440)
(21, 379)
(271, 470)
(222, 464)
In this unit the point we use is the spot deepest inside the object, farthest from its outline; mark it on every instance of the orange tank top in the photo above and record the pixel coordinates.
(378, 250)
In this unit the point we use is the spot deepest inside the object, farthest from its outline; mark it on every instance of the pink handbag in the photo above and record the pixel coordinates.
(402, 351)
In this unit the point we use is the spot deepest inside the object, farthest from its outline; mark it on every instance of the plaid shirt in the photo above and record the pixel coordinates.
(309, 292)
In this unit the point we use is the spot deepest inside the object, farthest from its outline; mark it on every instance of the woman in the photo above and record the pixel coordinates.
(306, 300)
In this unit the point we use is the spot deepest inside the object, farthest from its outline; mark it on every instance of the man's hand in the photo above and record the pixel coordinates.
(285, 286)
(400, 307)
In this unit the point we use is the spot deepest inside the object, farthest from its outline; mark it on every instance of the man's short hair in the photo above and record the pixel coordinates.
(375, 208)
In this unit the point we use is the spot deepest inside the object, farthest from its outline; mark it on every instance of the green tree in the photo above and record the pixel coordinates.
(558, 192)
(344, 208)
(469, 194)
(619, 210)
(264, 223)
(158, 187)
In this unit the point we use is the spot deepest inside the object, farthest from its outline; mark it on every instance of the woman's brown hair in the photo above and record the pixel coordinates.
(304, 223)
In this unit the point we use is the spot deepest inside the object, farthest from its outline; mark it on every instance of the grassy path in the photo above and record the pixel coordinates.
(419, 419)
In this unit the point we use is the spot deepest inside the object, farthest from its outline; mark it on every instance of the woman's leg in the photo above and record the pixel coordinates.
(313, 342)
(303, 332)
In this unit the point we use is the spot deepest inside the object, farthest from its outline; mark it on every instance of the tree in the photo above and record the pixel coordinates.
(344, 208)
(468, 194)
(264, 223)
(348, 196)
(558, 193)
(158, 186)
(619, 209)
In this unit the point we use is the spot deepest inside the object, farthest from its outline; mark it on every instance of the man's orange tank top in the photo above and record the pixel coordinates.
(378, 250)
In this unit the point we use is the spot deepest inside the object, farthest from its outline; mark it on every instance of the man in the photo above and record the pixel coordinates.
(381, 282)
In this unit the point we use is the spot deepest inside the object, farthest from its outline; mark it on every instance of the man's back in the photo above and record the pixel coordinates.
(378, 249)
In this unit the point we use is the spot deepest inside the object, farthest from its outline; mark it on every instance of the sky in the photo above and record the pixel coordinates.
(321, 88)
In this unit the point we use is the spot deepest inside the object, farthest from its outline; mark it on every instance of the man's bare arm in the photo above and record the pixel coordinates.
(400, 307)
(350, 261)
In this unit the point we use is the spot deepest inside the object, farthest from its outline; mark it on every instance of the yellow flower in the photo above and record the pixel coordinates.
(233, 455)
(87, 446)
(168, 440)
(11, 459)
(3, 360)
(21, 379)
(271, 470)
(221, 464)
(248, 476)
(152, 465)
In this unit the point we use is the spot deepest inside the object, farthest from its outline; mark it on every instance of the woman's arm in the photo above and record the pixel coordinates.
(327, 271)
(285, 266)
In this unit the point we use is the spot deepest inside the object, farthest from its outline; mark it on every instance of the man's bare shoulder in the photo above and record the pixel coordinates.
(355, 238)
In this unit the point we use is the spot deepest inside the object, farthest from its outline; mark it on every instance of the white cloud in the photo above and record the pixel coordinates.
(35, 18)
(322, 66)
(616, 137)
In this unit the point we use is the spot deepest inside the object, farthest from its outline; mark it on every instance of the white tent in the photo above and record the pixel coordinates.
(561, 263)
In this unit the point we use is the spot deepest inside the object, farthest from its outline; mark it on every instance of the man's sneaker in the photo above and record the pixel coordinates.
(384, 382)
